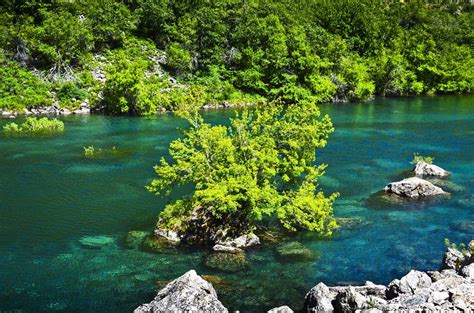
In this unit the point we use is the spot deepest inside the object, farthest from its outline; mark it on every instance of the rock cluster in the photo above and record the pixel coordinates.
(226, 104)
(451, 289)
(55, 109)
(414, 187)
(188, 293)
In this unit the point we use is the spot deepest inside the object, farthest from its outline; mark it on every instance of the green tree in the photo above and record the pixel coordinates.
(61, 39)
(261, 166)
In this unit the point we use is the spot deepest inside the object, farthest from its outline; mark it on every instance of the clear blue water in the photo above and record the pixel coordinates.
(51, 197)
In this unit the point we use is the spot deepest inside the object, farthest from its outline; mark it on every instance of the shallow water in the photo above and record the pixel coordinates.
(64, 217)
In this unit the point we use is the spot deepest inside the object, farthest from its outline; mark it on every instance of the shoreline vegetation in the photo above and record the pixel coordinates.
(148, 56)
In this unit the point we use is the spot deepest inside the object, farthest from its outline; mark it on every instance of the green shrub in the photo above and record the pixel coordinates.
(420, 158)
(462, 247)
(89, 151)
(261, 165)
(68, 91)
(34, 125)
(20, 88)
(60, 39)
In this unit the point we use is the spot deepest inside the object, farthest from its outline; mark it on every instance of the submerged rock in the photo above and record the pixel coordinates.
(271, 236)
(227, 262)
(414, 187)
(135, 238)
(156, 244)
(426, 169)
(446, 185)
(294, 251)
(214, 279)
(188, 293)
(351, 223)
(96, 242)
(467, 202)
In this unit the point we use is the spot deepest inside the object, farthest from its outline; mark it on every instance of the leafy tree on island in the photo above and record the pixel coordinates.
(261, 166)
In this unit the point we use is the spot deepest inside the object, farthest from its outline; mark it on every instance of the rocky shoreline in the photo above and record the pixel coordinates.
(55, 109)
(84, 108)
(451, 289)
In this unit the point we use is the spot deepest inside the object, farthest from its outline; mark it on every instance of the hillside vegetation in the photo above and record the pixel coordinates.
(140, 56)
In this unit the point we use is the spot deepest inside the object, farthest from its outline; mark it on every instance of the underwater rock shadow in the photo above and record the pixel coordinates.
(382, 200)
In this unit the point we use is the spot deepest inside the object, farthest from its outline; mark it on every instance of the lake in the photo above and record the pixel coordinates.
(53, 200)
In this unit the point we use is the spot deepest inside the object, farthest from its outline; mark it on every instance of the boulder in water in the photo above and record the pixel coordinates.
(414, 187)
(188, 293)
(426, 169)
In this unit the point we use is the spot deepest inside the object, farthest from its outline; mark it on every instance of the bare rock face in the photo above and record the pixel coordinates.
(448, 290)
(414, 187)
(409, 284)
(425, 169)
(319, 299)
(344, 298)
(188, 293)
(453, 259)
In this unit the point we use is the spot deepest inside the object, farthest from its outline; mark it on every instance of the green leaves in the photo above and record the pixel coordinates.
(20, 88)
(35, 126)
(240, 52)
(261, 165)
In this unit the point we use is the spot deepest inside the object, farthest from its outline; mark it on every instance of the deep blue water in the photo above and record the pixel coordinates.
(51, 197)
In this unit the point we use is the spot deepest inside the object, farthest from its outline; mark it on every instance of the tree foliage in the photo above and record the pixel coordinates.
(262, 165)
(316, 50)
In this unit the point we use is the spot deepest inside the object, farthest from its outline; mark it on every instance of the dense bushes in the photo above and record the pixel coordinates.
(32, 125)
(238, 50)
(20, 88)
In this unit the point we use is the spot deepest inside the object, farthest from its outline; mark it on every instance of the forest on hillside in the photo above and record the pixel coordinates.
(140, 56)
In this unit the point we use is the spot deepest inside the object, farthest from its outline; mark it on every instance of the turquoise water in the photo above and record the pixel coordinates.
(52, 198)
